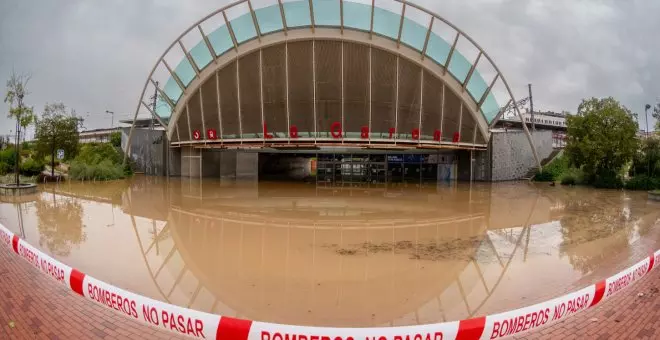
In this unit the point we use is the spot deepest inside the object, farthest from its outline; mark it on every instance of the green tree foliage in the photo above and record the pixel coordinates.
(97, 162)
(115, 139)
(647, 159)
(57, 129)
(656, 115)
(24, 116)
(601, 140)
(553, 171)
(31, 167)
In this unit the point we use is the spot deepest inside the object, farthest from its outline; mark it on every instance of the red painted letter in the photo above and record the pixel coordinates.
(335, 130)
(293, 131)
(197, 135)
(266, 134)
(457, 137)
(211, 134)
(436, 135)
(415, 134)
(392, 130)
(364, 132)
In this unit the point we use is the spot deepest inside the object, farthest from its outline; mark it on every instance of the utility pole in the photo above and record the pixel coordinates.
(646, 113)
(531, 107)
(151, 128)
(112, 124)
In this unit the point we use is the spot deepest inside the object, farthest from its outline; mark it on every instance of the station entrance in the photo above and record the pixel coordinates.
(338, 168)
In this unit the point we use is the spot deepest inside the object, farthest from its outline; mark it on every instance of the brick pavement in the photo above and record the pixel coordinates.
(624, 316)
(39, 309)
(32, 307)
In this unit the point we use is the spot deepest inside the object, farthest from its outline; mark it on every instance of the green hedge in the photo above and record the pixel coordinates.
(8, 156)
(553, 170)
(4, 168)
(608, 179)
(643, 182)
(572, 176)
(104, 170)
(31, 167)
(98, 162)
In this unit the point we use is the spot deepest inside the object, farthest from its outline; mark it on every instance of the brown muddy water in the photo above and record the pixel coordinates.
(299, 253)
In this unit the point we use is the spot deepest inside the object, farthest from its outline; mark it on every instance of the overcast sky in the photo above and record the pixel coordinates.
(95, 55)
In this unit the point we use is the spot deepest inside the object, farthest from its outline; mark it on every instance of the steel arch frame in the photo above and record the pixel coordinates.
(187, 92)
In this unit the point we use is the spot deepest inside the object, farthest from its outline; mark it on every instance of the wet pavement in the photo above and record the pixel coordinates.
(300, 253)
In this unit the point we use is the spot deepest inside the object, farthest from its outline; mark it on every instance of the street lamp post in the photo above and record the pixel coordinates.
(112, 124)
(646, 115)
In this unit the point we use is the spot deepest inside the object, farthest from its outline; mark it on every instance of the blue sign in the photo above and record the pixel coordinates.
(412, 158)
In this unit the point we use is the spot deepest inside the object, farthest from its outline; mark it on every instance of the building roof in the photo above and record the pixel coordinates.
(311, 64)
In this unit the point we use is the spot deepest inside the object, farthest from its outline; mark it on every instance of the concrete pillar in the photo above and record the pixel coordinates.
(247, 165)
(228, 164)
(211, 163)
(191, 162)
(174, 162)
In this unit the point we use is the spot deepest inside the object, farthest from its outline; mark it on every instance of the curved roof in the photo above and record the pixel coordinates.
(242, 30)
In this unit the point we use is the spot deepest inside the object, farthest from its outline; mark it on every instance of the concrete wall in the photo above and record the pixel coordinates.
(480, 165)
(191, 165)
(226, 164)
(247, 165)
(174, 162)
(512, 156)
(148, 150)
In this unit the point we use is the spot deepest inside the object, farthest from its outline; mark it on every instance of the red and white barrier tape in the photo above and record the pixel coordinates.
(202, 325)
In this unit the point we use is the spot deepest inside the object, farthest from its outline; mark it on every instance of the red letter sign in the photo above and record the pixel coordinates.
(211, 134)
(197, 135)
(335, 130)
(364, 132)
(266, 134)
(415, 134)
(457, 137)
(392, 130)
(293, 131)
(436, 135)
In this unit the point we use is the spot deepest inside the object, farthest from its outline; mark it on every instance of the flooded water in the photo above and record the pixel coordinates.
(304, 254)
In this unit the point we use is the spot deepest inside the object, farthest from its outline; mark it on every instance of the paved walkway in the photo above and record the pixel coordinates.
(32, 307)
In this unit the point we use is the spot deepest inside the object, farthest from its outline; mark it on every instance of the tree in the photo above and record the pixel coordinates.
(601, 139)
(16, 92)
(56, 129)
(115, 139)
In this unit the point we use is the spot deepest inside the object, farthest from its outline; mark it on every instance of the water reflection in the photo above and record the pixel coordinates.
(59, 223)
(337, 256)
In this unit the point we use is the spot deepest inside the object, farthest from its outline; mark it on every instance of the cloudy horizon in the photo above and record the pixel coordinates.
(95, 55)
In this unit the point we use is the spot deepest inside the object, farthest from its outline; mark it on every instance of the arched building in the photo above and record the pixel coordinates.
(324, 77)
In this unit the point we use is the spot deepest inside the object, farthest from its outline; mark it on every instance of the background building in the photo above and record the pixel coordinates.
(366, 91)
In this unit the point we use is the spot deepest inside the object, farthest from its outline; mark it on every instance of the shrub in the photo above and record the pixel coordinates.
(552, 171)
(94, 153)
(4, 168)
(572, 176)
(31, 167)
(105, 170)
(8, 156)
(544, 176)
(643, 182)
(115, 139)
(607, 179)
